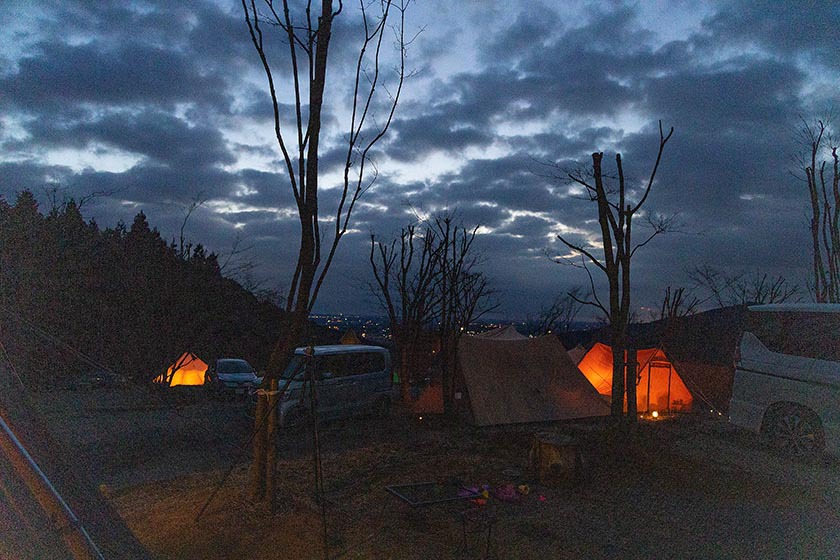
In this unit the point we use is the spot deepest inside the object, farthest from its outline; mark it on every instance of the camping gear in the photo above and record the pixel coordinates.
(555, 456)
(350, 337)
(577, 353)
(506, 493)
(418, 494)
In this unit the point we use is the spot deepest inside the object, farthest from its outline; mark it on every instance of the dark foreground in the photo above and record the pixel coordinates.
(682, 488)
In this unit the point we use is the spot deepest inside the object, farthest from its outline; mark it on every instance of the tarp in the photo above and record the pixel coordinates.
(503, 333)
(528, 380)
(27, 531)
(189, 369)
(659, 385)
(711, 384)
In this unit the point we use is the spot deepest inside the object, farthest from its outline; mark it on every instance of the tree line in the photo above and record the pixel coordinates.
(75, 298)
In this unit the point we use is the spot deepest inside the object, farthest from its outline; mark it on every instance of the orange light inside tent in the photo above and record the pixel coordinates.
(659, 385)
(189, 369)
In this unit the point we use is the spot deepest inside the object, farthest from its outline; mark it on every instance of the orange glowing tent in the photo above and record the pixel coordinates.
(189, 369)
(659, 386)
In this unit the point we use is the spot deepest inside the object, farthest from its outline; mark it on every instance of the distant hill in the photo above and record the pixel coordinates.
(76, 298)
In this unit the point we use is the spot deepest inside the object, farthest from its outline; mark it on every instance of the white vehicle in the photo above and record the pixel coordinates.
(787, 377)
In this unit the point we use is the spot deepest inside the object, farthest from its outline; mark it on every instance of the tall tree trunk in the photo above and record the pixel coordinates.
(406, 364)
(263, 471)
(617, 403)
(630, 381)
(257, 479)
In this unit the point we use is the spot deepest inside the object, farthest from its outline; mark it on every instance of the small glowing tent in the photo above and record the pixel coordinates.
(659, 386)
(189, 369)
(350, 337)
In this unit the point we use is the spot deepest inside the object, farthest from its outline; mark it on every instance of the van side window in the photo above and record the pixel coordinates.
(335, 364)
(811, 335)
(366, 362)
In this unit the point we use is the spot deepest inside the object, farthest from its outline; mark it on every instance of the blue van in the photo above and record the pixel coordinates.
(351, 379)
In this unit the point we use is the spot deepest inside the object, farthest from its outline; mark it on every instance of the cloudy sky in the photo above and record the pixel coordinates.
(155, 103)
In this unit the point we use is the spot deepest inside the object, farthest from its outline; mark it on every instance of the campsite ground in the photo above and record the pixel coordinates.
(684, 488)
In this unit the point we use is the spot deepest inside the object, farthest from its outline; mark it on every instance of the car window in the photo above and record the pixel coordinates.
(233, 366)
(334, 364)
(366, 362)
(811, 335)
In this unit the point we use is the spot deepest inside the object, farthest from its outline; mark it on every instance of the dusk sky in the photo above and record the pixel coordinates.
(157, 102)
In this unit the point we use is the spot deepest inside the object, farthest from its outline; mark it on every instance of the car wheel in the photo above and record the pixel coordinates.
(797, 431)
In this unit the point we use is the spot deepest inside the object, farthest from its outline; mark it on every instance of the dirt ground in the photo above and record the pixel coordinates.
(687, 487)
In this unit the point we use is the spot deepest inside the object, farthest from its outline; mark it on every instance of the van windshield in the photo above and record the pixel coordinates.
(295, 369)
(234, 366)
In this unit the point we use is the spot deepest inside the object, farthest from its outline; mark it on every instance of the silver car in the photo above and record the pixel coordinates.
(349, 380)
(232, 375)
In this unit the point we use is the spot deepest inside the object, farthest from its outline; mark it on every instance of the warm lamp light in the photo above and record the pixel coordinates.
(655, 414)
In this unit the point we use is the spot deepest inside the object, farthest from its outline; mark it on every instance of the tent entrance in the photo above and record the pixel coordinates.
(659, 374)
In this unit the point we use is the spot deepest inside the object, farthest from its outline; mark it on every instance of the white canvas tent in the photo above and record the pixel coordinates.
(577, 354)
(526, 380)
(503, 333)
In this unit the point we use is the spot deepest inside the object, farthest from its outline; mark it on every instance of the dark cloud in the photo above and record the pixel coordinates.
(94, 74)
(787, 28)
(416, 137)
(514, 97)
(159, 136)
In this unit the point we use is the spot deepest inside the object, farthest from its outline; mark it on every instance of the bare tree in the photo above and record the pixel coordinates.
(58, 198)
(184, 246)
(742, 288)
(677, 303)
(615, 217)
(824, 191)
(307, 40)
(559, 316)
(464, 295)
(406, 285)
(437, 284)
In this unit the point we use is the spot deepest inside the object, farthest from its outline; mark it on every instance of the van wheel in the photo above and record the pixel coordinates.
(796, 430)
